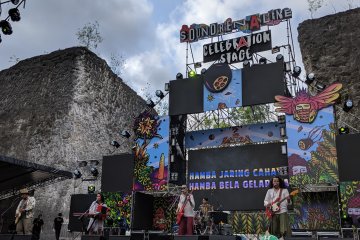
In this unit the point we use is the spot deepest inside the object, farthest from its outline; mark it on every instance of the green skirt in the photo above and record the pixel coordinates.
(280, 225)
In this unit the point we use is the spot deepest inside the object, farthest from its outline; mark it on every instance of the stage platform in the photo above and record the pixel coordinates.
(140, 236)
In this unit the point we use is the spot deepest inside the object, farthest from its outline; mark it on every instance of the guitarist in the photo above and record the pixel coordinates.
(187, 205)
(24, 213)
(279, 222)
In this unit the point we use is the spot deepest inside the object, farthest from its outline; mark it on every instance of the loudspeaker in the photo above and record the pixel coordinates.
(157, 236)
(14, 237)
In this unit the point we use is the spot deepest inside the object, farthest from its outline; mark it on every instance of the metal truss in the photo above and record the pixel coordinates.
(30, 187)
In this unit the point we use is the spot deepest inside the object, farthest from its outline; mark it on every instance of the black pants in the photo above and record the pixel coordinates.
(57, 233)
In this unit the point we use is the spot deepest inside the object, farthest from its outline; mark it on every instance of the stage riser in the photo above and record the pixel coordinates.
(161, 237)
(14, 237)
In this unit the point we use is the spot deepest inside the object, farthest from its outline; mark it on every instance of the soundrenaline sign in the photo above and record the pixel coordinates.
(247, 25)
(237, 49)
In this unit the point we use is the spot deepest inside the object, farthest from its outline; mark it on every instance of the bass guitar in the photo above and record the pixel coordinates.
(275, 206)
(180, 214)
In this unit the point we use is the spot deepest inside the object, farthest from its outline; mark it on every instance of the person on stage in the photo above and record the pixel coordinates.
(96, 223)
(58, 221)
(279, 222)
(205, 209)
(24, 213)
(187, 205)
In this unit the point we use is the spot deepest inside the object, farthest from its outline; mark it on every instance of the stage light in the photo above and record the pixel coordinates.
(94, 171)
(320, 86)
(172, 158)
(15, 2)
(203, 71)
(283, 149)
(348, 104)
(262, 60)
(125, 134)
(246, 63)
(179, 76)
(150, 103)
(174, 176)
(281, 119)
(159, 94)
(14, 14)
(197, 65)
(344, 130)
(296, 71)
(91, 189)
(77, 173)
(283, 132)
(310, 78)
(192, 73)
(275, 49)
(279, 57)
(6, 27)
(115, 144)
(287, 67)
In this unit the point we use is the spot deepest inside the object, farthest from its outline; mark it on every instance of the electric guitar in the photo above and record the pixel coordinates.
(180, 214)
(18, 214)
(275, 206)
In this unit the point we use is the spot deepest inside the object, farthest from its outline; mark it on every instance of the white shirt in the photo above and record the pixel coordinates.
(272, 195)
(29, 204)
(189, 209)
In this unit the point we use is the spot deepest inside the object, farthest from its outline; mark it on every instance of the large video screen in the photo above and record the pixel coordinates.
(235, 178)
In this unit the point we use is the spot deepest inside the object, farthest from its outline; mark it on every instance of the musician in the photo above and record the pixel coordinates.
(24, 213)
(279, 223)
(187, 203)
(205, 209)
(96, 223)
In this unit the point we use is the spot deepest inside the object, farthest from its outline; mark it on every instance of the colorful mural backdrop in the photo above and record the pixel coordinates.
(304, 107)
(242, 134)
(164, 213)
(312, 150)
(229, 96)
(350, 202)
(316, 211)
(120, 209)
(151, 152)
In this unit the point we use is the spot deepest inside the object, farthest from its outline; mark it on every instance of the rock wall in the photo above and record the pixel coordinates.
(61, 108)
(330, 48)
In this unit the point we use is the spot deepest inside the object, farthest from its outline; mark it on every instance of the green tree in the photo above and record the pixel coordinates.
(89, 35)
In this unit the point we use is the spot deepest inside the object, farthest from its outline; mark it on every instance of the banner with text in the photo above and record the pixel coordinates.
(235, 178)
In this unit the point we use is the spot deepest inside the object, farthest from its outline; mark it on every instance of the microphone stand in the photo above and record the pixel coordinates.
(81, 218)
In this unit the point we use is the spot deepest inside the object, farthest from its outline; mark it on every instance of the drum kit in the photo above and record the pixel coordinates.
(205, 224)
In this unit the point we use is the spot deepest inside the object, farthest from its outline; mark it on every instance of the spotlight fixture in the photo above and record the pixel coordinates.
(283, 132)
(15, 2)
(246, 63)
(287, 66)
(283, 149)
(275, 49)
(174, 176)
(14, 14)
(262, 60)
(115, 144)
(94, 171)
(203, 71)
(344, 130)
(320, 86)
(159, 94)
(167, 87)
(310, 78)
(296, 71)
(150, 103)
(77, 173)
(279, 57)
(281, 119)
(197, 65)
(125, 134)
(91, 189)
(192, 73)
(6, 27)
(348, 104)
(179, 76)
